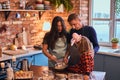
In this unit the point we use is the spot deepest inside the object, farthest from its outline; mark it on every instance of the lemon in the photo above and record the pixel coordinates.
(13, 47)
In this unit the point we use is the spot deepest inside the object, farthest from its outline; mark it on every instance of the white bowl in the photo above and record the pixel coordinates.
(40, 6)
(60, 66)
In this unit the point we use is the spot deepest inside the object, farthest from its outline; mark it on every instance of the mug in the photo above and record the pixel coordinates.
(17, 15)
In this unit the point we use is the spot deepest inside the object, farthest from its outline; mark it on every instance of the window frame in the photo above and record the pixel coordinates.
(111, 19)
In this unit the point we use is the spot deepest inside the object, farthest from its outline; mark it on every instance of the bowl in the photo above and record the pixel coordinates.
(60, 66)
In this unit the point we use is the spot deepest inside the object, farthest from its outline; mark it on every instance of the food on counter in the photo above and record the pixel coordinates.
(23, 74)
(23, 47)
(13, 47)
(61, 76)
(74, 76)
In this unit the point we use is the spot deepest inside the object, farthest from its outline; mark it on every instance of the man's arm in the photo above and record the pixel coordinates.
(93, 39)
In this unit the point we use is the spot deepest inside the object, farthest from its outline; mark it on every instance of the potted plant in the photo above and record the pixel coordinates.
(58, 3)
(115, 42)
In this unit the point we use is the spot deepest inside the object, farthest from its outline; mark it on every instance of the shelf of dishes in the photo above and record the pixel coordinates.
(20, 10)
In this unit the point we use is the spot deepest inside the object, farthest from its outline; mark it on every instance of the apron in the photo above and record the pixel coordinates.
(59, 50)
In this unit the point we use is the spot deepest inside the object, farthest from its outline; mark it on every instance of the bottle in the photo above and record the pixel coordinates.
(22, 4)
(0, 51)
(10, 74)
(24, 37)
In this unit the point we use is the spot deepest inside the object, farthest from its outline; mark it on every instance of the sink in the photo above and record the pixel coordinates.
(117, 51)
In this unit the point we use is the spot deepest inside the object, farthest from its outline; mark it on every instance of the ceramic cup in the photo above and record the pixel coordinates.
(17, 15)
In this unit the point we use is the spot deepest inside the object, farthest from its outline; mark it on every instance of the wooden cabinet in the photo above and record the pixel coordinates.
(108, 64)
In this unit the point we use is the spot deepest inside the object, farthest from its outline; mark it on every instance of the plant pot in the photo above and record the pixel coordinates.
(114, 45)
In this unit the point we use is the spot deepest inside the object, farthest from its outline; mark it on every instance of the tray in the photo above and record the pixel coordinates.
(23, 75)
(15, 52)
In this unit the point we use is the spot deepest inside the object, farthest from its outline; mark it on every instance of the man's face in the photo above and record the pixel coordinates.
(76, 24)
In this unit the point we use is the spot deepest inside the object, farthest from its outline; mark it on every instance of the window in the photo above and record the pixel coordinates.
(105, 20)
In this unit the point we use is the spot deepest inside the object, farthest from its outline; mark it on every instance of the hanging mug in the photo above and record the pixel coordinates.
(27, 15)
(17, 15)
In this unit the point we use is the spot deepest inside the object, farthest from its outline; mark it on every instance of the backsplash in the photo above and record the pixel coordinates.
(33, 22)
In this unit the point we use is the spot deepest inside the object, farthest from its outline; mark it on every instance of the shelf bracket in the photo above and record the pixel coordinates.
(40, 14)
(6, 14)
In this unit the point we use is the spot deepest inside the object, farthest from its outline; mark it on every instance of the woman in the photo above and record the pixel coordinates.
(81, 56)
(55, 41)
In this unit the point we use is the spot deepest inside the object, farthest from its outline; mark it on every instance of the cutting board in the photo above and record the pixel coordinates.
(17, 52)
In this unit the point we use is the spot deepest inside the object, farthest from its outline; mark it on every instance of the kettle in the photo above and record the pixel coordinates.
(23, 65)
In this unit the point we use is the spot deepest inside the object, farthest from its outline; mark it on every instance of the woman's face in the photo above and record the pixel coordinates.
(59, 25)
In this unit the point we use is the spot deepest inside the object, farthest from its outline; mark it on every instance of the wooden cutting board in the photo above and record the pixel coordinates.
(17, 52)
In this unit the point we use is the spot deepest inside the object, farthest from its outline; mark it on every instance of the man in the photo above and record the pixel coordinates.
(79, 28)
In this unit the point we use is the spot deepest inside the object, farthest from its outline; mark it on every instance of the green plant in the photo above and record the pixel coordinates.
(115, 40)
(67, 4)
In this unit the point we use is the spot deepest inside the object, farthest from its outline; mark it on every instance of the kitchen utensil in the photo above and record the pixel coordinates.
(60, 66)
(23, 65)
(17, 15)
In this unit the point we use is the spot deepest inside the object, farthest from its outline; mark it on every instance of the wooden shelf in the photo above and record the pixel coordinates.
(20, 10)
(7, 12)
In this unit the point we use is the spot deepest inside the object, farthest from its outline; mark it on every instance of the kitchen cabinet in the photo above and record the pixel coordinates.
(29, 58)
(99, 59)
(108, 64)
(3, 75)
(40, 60)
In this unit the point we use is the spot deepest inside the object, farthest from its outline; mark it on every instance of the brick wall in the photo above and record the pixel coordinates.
(34, 23)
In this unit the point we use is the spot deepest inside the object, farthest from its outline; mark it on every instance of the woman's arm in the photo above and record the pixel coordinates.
(67, 54)
(45, 51)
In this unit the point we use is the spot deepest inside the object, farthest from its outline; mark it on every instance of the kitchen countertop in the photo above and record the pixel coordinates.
(57, 75)
(109, 51)
(30, 51)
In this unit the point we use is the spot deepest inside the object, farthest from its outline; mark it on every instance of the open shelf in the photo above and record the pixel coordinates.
(20, 10)
(7, 11)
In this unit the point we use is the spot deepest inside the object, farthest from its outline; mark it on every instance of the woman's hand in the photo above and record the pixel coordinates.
(65, 60)
(53, 58)
(85, 77)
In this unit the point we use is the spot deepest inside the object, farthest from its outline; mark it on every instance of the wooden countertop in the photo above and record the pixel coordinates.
(29, 52)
